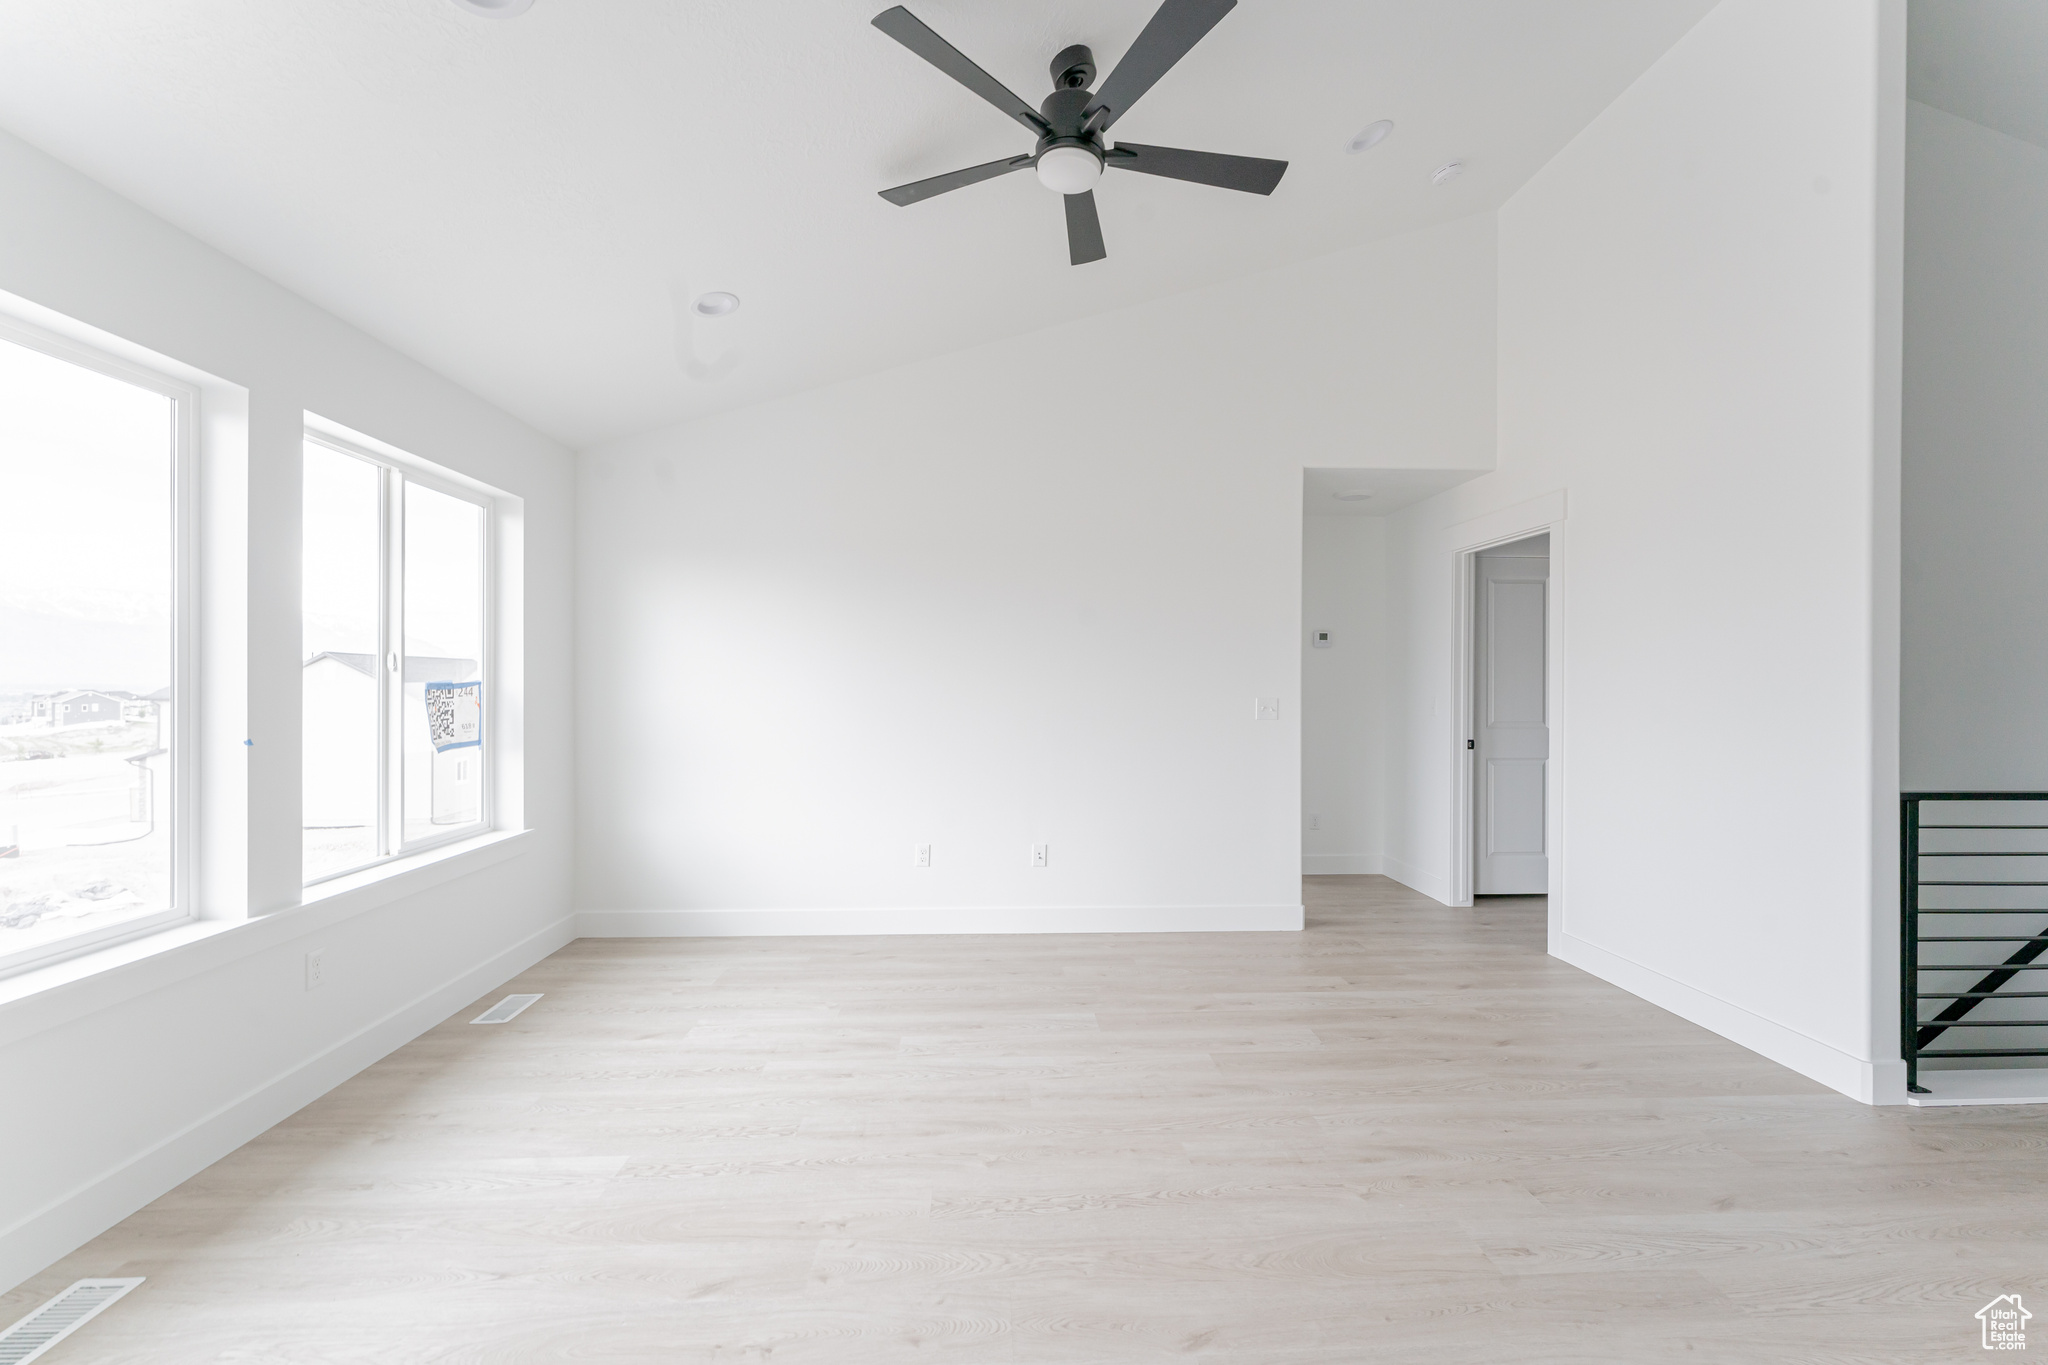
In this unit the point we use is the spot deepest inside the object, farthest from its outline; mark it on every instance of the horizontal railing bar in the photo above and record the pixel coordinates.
(1973, 796)
(1925, 882)
(1984, 910)
(1989, 995)
(1988, 1023)
(1984, 967)
(1984, 1052)
(1984, 827)
(1984, 938)
(1983, 853)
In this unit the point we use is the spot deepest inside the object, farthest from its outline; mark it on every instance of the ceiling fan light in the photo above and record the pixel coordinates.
(716, 304)
(496, 9)
(1069, 170)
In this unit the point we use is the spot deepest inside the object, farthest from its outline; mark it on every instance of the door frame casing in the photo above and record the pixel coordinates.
(1464, 542)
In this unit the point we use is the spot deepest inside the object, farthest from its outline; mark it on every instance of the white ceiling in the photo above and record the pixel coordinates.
(521, 204)
(1391, 489)
(1983, 60)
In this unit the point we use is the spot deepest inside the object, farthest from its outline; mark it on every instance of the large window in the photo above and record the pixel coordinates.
(396, 653)
(90, 458)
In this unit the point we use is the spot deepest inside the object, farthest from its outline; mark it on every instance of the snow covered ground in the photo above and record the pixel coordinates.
(91, 841)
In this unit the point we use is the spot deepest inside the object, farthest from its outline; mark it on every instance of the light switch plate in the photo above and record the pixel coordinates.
(1265, 708)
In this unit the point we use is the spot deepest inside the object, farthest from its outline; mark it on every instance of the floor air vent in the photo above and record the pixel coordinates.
(59, 1318)
(497, 1014)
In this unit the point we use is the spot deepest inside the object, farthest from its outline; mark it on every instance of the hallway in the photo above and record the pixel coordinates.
(1403, 1135)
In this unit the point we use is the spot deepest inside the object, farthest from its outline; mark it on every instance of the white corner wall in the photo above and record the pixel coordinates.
(1976, 463)
(1343, 712)
(1024, 594)
(1698, 375)
(193, 1050)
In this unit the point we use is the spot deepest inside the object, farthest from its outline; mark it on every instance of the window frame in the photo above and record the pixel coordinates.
(182, 780)
(394, 472)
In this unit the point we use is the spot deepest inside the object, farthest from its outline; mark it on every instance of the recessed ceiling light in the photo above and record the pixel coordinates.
(1372, 137)
(1352, 495)
(496, 9)
(1450, 170)
(716, 304)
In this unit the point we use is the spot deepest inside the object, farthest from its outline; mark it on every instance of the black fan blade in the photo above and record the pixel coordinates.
(909, 30)
(953, 180)
(1084, 229)
(1252, 174)
(1178, 26)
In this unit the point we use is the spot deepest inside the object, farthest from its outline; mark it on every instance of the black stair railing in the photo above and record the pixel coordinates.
(1955, 876)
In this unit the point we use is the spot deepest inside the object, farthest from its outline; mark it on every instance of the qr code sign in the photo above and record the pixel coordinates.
(455, 714)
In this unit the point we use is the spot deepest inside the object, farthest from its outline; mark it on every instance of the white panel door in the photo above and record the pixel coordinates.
(1511, 723)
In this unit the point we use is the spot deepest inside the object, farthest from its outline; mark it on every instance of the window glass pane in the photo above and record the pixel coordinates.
(85, 650)
(341, 678)
(443, 698)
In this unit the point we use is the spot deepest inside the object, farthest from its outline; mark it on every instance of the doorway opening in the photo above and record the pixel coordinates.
(1507, 734)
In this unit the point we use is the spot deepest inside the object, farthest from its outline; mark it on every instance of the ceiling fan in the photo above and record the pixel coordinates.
(1071, 151)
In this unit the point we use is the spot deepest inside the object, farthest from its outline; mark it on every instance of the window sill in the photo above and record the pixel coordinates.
(404, 876)
(44, 997)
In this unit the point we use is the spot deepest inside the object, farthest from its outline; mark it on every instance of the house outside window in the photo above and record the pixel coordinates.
(396, 658)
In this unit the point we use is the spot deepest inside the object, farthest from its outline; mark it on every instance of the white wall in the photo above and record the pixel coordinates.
(191, 1051)
(1343, 766)
(1023, 594)
(1698, 367)
(1975, 714)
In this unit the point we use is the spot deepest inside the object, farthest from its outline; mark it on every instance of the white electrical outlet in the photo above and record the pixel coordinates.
(923, 857)
(316, 968)
(1315, 822)
(1038, 852)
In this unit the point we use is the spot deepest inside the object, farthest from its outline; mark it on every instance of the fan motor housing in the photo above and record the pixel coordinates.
(1066, 111)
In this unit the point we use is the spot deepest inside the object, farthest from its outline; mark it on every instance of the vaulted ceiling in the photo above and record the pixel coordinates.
(528, 204)
(1983, 60)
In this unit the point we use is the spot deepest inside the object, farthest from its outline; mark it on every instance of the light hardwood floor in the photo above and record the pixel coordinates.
(1405, 1135)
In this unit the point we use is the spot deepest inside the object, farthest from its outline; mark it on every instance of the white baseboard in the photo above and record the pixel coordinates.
(1341, 864)
(1435, 885)
(76, 1217)
(1879, 1082)
(1002, 919)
